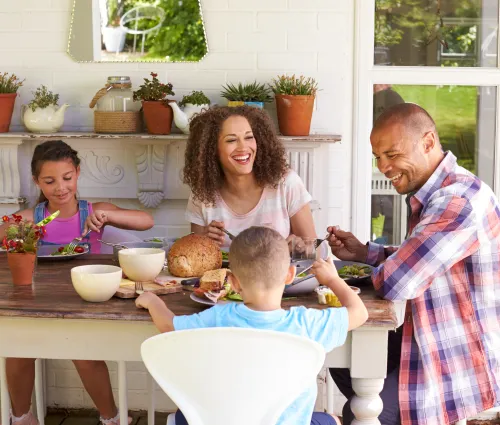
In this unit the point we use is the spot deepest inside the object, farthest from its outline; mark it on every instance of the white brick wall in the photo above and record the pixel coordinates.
(248, 40)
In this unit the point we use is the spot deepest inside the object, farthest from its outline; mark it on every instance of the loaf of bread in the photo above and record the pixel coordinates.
(193, 255)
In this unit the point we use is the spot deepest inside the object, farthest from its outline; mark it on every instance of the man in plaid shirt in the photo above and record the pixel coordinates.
(447, 366)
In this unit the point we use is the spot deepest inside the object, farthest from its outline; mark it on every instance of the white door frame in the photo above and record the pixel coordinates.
(365, 75)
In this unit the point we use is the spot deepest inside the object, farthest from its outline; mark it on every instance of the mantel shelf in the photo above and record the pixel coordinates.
(314, 138)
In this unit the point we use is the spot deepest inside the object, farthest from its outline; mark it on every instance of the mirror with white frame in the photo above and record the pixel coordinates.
(137, 31)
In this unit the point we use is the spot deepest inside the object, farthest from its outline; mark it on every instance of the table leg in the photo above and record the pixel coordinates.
(151, 407)
(122, 392)
(4, 393)
(366, 404)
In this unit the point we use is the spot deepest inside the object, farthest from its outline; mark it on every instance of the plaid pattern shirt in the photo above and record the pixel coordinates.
(449, 271)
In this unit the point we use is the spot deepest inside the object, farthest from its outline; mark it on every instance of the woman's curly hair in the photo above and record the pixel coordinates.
(203, 172)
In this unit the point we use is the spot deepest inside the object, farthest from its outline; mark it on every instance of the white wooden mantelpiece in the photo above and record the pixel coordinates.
(142, 166)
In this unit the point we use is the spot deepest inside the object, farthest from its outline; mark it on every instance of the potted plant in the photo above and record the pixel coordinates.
(192, 104)
(113, 35)
(9, 84)
(42, 114)
(20, 241)
(294, 103)
(253, 94)
(157, 112)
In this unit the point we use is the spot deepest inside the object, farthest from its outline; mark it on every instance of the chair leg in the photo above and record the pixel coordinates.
(151, 407)
(40, 391)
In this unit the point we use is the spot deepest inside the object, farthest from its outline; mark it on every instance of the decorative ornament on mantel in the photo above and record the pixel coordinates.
(42, 114)
(150, 162)
(96, 168)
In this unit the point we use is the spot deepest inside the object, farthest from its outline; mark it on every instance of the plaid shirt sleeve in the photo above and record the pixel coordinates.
(445, 234)
(378, 253)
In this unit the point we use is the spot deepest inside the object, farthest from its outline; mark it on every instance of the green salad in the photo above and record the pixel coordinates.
(225, 256)
(355, 270)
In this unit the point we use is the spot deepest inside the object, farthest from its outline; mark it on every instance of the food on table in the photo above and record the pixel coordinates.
(327, 297)
(355, 270)
(64, 250)
(193, 255)
(214, 286)
(225, 256)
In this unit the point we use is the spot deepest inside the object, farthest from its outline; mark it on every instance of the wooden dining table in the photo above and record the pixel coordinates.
(49, 320)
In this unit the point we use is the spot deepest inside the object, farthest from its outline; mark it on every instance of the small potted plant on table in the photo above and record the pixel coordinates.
(9, 84)
(294, 103)
(20, 241)
(253, 94)
(157, 112)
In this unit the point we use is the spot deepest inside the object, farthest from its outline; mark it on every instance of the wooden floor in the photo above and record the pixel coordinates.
(91, 417)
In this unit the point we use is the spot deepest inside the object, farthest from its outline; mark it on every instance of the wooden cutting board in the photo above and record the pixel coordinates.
(171, 285)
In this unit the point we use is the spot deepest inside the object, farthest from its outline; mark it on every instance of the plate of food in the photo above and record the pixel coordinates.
(59, 252)
(352, 271)
(214, 288)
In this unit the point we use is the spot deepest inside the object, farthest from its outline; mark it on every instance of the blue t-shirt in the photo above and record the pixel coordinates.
(327, 327)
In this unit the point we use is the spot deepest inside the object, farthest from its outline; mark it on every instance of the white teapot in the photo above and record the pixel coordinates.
(43, 120)
(182, 117)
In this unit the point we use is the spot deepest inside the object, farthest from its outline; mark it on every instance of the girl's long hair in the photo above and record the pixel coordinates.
(51, 150)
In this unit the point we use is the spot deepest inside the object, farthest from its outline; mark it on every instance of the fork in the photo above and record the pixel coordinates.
(138, 288)
(231, 236)
(74, 243)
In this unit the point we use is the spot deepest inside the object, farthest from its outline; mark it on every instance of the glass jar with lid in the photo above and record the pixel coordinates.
(118, 96)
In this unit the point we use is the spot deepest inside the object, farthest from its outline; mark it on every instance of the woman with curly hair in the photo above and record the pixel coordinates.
(236, 168)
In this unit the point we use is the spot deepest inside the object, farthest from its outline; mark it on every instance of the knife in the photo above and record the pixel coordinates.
(195, 281)
(48, 219)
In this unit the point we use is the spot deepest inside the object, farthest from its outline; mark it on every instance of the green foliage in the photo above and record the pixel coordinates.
(21, 235)
(115, 11)
(181, 36)
(253, 92)
(295, 86)
(153, 90)
(195, 98)
(43, 98)
(9, 83)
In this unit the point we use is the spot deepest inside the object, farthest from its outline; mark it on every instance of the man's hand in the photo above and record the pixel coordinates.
(146, 299)
(346, 246)
(324, 270)
(95, 221)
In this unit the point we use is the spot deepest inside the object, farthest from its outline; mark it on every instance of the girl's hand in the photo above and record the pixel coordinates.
(95, 221)
(214, 232)
(145, 300)
(324, 270)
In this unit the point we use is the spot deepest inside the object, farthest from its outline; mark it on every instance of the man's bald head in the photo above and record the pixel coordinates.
(414, 120)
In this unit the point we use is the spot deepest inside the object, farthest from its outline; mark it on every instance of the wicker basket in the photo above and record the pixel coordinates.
(117, 122)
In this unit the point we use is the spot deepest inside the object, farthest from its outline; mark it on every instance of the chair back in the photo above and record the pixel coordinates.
(227, 376)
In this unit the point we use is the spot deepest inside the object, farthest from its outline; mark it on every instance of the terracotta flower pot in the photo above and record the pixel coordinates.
(158, 117)
(22, 267)
(7, 101)
(294, 114)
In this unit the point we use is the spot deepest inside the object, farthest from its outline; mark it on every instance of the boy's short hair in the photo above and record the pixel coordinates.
(260, 254)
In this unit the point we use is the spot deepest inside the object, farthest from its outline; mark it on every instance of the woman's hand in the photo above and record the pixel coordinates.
(295, 244)
(346, 246)
(95, 221)
(214, 232)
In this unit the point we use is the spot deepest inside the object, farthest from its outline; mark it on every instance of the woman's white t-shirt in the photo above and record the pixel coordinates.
(275, 208)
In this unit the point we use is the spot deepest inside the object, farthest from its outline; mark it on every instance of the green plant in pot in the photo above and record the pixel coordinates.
(9, 85)
(294, 103)
(192, 104)
(157, 112)
(21, 241)
(253, 94)
(113, 36)
(43, 114)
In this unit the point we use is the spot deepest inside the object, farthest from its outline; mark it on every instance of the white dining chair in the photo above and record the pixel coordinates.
(227, 376)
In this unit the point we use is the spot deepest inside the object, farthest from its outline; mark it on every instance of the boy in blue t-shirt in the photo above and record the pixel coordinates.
(260, 269)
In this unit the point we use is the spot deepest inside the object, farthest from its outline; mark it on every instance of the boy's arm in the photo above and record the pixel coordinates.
(327, 275)
(162, 316)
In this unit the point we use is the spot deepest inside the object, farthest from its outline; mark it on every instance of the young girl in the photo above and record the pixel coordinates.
(55, 168)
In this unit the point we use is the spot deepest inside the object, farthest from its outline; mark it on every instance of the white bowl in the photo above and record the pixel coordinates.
(141, 264)
(96, 282)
